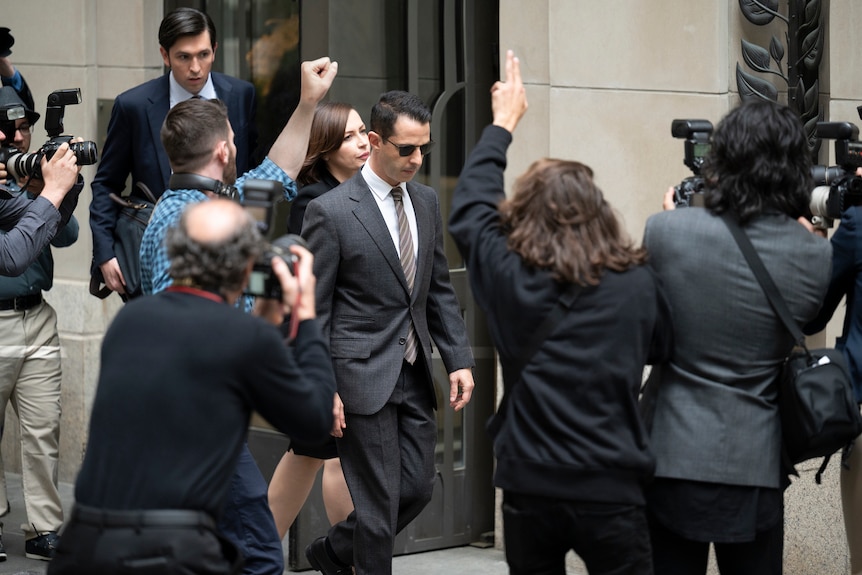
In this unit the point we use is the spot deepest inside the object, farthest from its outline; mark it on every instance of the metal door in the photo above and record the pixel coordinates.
(446, 52)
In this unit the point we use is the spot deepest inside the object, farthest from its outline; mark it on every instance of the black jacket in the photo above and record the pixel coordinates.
(572, 430)
(170, 417)
(305, 195)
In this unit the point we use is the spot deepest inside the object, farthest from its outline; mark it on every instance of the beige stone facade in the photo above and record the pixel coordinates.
(604, 79)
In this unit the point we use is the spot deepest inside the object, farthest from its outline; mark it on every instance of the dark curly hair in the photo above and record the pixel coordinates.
(758, 161)
(557, 219)
(217, 266)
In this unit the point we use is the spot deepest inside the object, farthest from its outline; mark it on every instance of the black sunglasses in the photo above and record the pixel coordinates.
(406, 150)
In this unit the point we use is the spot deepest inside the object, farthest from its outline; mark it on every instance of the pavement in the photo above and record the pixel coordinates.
(13, 534)
(473, 560)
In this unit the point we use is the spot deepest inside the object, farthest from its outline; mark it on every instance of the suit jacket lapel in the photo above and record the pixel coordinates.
(160, 104)
(368, 213)
(224, 91)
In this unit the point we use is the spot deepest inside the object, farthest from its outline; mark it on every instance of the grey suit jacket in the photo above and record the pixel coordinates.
(716, 418)
(362, 297)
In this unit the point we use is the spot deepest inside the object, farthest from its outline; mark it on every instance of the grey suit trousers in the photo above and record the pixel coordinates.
(388, 462)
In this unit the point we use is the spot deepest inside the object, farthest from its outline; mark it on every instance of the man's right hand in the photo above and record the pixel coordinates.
(317, 77)
(59, 174)
(113, 275)
(508, 98)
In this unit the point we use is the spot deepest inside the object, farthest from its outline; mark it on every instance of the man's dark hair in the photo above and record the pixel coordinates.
(758, 161)
(190, 131)
(185, 22)
(393, 104)
(217, 266)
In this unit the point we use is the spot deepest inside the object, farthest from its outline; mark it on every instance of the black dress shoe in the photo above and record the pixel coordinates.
(320, 559)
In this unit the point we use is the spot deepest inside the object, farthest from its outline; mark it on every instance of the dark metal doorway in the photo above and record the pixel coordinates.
(446, 52)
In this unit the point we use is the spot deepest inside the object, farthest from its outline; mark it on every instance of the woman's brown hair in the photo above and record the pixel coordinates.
(327, 134)
(557, 219)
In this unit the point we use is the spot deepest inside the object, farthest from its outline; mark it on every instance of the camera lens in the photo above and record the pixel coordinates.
(85, 152)
(24, 165)
(825, 175)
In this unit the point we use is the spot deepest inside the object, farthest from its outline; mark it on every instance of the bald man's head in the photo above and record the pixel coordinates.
(215, 220)
(212, 246)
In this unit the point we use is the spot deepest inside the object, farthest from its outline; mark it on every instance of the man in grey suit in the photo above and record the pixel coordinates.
(383, 293)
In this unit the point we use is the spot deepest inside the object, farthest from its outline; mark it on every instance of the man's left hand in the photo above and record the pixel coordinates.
(460, 388)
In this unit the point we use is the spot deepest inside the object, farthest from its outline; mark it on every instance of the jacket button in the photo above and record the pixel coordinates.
(402, 340)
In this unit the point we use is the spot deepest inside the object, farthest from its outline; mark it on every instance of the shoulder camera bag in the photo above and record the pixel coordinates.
(819, 414)
(132, 219)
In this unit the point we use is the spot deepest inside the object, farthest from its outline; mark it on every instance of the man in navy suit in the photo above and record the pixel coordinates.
(133, 146)
(188, 44)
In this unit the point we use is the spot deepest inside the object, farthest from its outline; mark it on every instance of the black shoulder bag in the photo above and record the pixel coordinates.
(819, 414)
(564, 303)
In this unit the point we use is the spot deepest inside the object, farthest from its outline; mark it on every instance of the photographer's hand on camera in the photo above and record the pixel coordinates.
(297, 290)
(668, 203)
(59, 174)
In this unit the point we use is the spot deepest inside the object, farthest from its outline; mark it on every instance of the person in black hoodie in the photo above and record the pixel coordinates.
(572, 454)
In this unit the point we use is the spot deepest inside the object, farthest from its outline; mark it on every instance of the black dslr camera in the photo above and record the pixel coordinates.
(837, 187)
(259, 201)
(23, 165)
(696, 135)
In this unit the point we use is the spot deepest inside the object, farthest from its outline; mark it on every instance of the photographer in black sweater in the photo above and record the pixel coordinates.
(169, 418)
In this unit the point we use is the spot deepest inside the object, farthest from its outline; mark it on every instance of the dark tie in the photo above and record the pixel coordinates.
(408, 263)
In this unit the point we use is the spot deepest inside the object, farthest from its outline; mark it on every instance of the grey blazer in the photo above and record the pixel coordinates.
(715, 418)
(362, 298)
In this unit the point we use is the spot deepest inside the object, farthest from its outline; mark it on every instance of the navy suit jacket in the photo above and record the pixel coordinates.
(846, 281)
(133, 146)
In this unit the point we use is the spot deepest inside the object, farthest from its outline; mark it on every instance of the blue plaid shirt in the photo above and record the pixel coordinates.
(154, 255)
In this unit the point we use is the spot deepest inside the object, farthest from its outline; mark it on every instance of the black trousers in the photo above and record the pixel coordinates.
(153, 542)
(676, 555)
(611, 538)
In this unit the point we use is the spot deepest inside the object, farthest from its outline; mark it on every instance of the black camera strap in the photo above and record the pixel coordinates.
(186, 181)
(779, 306)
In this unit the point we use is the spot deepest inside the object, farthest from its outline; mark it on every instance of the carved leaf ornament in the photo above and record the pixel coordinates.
(805, 37)
(759, 12)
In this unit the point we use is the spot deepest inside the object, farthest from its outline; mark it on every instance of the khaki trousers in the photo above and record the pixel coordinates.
(30, 375)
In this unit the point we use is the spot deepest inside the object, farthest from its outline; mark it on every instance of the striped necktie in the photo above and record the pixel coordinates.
(408, 263)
